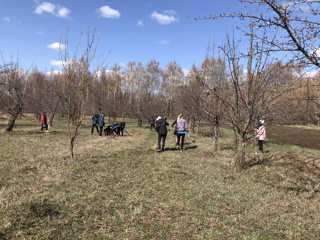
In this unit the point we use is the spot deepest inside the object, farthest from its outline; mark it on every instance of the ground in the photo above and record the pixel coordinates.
(302, 136)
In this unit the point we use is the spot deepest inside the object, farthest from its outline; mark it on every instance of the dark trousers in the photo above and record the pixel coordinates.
(152, 125)
(260, 145)
(94, 126)
(182, 140)
(44, 125)
(163, 136)
(101, 129)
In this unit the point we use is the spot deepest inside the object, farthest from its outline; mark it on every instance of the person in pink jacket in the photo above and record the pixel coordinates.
(261, 134)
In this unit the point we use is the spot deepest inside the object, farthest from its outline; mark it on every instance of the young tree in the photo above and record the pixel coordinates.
(74, 85)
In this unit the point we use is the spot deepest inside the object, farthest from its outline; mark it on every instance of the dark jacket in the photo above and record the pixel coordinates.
(174, 123)
(101, 121)
(95, 119)
(161, 127)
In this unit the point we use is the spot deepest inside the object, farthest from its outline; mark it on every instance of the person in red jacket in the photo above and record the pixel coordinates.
(44, 123)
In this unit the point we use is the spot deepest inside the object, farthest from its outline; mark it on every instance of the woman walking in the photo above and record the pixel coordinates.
(175, 130)
(182, 129)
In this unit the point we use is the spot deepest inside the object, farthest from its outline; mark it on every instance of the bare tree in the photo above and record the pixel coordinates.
(292, 26)
(12, 91)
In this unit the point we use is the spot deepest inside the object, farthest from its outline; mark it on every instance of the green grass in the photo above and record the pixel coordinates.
(121, 188)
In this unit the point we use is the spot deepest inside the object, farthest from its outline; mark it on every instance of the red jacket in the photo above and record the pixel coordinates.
(43, 119)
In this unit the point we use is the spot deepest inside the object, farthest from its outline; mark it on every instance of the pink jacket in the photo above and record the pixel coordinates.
(261, 133)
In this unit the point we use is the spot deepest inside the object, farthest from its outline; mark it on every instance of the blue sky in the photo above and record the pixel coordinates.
(139, 30)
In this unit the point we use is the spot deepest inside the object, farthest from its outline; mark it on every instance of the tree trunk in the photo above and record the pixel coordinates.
(11, 123)
(198, 126)
(71, 148)
(216, 130)
(139, 123)
(13, 116)
(240, 161)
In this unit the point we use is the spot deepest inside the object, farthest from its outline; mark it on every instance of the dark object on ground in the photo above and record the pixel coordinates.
(108, 130)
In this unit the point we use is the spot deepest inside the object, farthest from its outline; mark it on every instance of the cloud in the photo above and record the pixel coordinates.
(52, 73)
(185, 72)
(39, 33)
(316, 52)
(6, 19)
(163, 42)
(56, 63)
(56, 46)
(107, 12)
(165, 18)
(54, 9)
(63, 12)
(140, 23)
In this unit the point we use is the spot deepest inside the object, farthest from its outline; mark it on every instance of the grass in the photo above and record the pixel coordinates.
(121, 188)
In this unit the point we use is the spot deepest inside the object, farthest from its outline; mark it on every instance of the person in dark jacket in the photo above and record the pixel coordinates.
(95, 119)
(151, 121)
(122, 125)
(161, 128)
(101, 123)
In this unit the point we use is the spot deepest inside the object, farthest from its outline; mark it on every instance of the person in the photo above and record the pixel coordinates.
(122, 125)
(151, 123)
(161, 128)
(182, 129)
(95, 119)
(101, 123)
(175, 131)
(44, 123)
(261, 134)
(116, 129)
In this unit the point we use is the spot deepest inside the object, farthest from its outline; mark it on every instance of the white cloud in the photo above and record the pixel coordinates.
(316, 52)
(163, 42)
(107, 12)
(165, 18)
(54, 9)
(63, 12)
(52, 73)
(39, 33)
(6, 19)
(56, 46)
(185, 72)
(56, 63)
(140, 23)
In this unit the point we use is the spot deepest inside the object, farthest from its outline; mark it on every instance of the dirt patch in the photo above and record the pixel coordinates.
(307, 138)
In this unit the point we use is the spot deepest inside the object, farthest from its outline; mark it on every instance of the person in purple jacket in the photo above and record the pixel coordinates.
(182, 129)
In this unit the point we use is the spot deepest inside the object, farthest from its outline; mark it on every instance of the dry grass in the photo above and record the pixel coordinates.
(120, 188)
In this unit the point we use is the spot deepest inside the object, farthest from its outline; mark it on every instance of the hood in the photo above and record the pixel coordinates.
(160, 121)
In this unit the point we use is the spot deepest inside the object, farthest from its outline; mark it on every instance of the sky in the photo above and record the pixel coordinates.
(128, 30)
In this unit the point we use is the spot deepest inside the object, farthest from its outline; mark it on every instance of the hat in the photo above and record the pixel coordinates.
(158, 118)
(261, 121)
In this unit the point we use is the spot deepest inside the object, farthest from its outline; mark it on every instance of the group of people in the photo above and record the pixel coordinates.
(111, 130)
(160, 125)
(181, 130)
